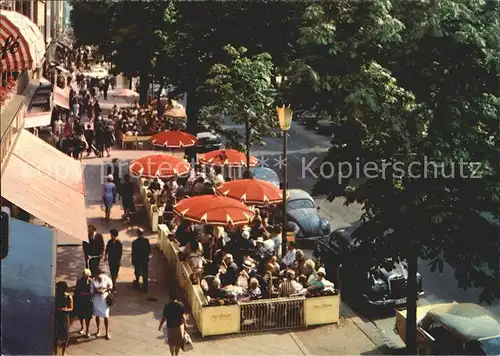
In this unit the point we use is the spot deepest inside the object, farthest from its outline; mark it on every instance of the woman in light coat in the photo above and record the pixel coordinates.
(100, 289)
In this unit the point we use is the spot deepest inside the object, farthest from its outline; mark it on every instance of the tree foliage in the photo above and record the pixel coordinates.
(415, 86)
(242, 90)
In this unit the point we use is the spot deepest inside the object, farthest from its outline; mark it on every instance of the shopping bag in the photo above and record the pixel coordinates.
(165, 334)
(187, 344)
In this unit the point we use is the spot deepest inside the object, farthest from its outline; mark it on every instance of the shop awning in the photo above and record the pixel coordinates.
(23, 42)
(47, 184)
(61, 97)
(37, 119)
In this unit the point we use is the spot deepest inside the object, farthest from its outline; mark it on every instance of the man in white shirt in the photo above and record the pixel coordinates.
(289, 258)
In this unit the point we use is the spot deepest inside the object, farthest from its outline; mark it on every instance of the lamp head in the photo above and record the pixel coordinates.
(285, 114)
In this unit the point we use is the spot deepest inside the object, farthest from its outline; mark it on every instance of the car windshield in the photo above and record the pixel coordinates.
(485, 347)
(300, 204)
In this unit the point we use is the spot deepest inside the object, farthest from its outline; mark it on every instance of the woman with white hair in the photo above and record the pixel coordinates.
(108, 195)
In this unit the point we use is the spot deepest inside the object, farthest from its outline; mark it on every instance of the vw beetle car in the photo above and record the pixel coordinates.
(454, 329)
(303, 218)
(382, 286)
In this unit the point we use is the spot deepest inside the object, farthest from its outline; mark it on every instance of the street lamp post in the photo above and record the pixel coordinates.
(285, 114)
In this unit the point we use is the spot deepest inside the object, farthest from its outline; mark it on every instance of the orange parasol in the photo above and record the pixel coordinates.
(214, 210)
(173, 139)
(227, 157)
(161, 166)
(252, 191)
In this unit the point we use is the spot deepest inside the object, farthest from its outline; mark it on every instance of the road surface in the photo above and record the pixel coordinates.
(305, 147)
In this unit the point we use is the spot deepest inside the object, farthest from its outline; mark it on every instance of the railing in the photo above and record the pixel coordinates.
(281, 313)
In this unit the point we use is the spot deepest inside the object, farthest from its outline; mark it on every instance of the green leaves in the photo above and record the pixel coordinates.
(242, 91)
(412, 85)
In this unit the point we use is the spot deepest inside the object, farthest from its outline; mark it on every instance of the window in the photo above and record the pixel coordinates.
(300, 204)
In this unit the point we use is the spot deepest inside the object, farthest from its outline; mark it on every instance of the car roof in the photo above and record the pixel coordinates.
(266, 174)
(470, 321)
(296, 194)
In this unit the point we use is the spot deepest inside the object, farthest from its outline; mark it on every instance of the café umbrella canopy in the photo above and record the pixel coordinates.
(226, 157)
(173, 139)
(214, 210)
(159, 166)
(252, 191)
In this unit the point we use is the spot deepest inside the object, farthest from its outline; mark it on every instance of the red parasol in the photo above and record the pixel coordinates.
(252, 191)
(173, 139)
(161, 166)
(214, 210)
(227, 157)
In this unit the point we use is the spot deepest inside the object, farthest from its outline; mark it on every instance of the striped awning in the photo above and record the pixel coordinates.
(22, 43)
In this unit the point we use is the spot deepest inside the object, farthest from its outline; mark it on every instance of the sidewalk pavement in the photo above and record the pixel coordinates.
(135, 316)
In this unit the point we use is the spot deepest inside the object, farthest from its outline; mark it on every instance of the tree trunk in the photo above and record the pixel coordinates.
(158, 101)
(143, 89)
(192, 110)
(411, 300)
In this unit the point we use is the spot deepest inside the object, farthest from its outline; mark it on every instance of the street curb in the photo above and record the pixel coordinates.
(381, 341)
(300, 344)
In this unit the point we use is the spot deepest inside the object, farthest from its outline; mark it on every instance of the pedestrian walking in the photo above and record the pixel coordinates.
(113, 255)
(86, 245)
(105, 88)
(141, 249)
(96, 253)
(99, 136)
(100, 289)
(175, 318)
(108, 196)
(64, 306)
(89, 137)
(108, 139)
(127, 195)
(83, 302)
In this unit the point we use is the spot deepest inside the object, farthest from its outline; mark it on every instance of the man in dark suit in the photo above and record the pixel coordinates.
(113, 255)
(141, 249)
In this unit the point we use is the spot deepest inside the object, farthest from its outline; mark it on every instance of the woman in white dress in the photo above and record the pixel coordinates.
(100, 288)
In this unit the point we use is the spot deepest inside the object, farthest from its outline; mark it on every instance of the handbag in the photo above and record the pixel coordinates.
(110, 299)
(187, 343)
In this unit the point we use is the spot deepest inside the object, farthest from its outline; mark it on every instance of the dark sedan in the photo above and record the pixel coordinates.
(384, 285)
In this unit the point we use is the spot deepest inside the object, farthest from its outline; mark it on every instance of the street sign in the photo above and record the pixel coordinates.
(290, 236)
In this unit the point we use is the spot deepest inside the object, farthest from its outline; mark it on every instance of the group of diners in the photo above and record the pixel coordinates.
(247, 263)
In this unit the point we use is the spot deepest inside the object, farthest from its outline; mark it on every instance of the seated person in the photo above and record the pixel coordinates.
(268, 244)
(243, 279)
(300, 260)
(268, 279)
(195, 258)
(290, 286)
(274, 261)
(154, 185)
(199, 186)
(216, 291)
(228, 271)
(253, 292)
(290, 256)
(320, 283)
(309, 270)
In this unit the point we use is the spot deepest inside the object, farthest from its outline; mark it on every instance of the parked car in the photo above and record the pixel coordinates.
(381, 286)
(303, 218)
(326, 128)
(207, 141)
(266, 174)
(454, 329)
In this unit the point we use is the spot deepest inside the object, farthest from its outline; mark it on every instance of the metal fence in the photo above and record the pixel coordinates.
(267, 314)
